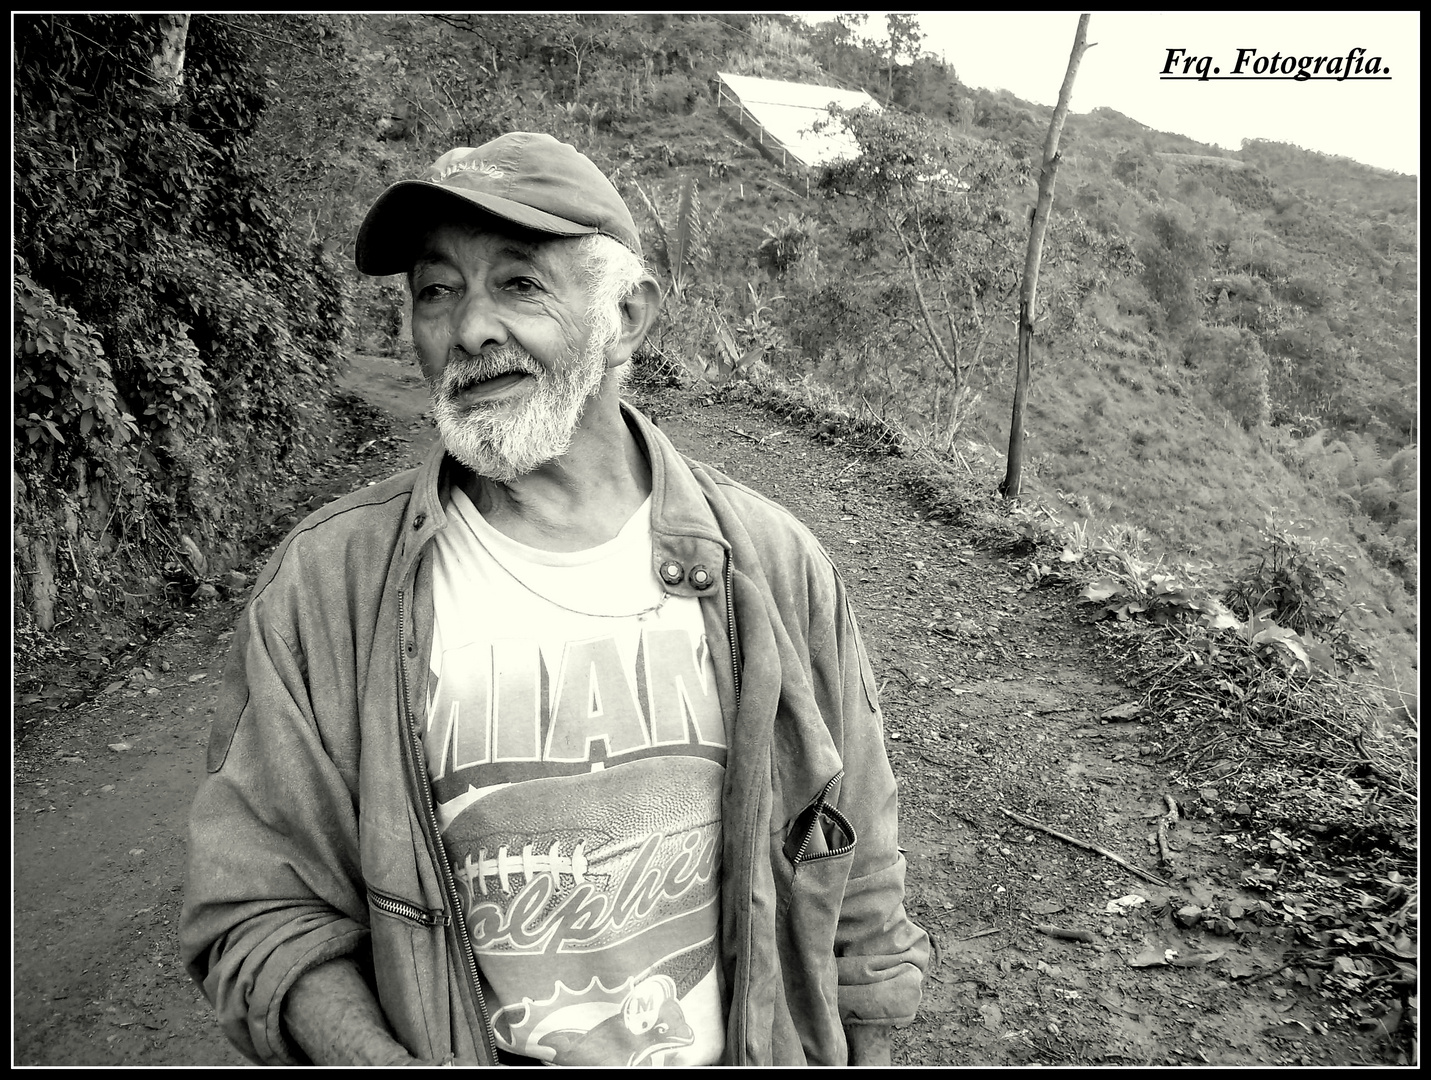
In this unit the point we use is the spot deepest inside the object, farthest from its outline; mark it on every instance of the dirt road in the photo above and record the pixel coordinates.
(992, 693)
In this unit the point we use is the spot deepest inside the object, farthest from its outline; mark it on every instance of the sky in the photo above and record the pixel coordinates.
(1374, 122)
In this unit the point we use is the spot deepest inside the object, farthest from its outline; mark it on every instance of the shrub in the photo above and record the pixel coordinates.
(1295, 582)
(1231, 364)
(171, 339)
(789, 242)
(1174, 257)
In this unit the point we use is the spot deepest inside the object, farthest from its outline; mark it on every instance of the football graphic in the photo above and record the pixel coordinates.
(588, 828)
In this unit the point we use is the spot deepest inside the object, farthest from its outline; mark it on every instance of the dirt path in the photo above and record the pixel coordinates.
(992, 693)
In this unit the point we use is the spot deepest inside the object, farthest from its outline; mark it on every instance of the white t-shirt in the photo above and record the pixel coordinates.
(577, 758)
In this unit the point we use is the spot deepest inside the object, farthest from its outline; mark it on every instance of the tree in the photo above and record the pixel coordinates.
(1230, 362)
(1013, 477)
(941, 202)
(579, 36)
(905, 37)
(173, 338)
(1174, 258)
(168, 62)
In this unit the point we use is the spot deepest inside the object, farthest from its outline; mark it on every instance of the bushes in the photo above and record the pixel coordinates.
(1232, 366)
(170, 339)
(1294, 582)
(1174, 257)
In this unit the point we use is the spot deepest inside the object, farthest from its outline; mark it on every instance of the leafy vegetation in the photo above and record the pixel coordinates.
(171, 333)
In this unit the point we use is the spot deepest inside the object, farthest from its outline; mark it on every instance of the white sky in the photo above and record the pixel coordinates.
(1378, 123)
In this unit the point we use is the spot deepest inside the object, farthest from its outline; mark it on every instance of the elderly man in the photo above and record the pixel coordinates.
(561, 747)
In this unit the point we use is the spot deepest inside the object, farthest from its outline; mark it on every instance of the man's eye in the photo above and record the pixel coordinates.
(435, 291)
(522, 286)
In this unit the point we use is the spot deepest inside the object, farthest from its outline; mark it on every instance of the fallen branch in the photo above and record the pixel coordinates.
(981, 933)
(753, 438)
(1087, 847)
(1166, 822)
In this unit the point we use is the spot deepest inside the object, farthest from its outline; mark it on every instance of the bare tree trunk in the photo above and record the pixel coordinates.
(1013, 477)
(168, 62)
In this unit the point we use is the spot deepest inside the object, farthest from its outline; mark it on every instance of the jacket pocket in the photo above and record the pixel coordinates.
(410, 966)
(811, 872)
(819, 832)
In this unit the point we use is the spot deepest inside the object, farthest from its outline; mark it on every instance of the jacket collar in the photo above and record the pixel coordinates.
(683, 527)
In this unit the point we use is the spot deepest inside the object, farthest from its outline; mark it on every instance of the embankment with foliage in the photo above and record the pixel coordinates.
(174, 338)
(1225, 349)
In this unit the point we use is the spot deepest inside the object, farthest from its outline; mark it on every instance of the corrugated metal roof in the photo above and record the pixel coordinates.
(787, 111)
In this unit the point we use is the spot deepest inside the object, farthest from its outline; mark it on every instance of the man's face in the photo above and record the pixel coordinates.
(502, 336)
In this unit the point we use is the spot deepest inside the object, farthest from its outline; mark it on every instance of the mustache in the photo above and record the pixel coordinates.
(464, 370)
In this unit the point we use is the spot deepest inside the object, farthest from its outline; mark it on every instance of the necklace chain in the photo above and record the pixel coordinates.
(643, 614)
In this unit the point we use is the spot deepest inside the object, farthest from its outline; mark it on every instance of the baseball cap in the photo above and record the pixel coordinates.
(529, 179)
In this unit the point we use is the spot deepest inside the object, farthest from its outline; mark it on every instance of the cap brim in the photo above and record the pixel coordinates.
(399, 221)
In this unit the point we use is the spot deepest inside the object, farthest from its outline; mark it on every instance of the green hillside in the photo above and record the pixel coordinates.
(1225, 342)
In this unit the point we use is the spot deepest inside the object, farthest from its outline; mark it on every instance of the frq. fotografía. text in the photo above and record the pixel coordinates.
(1255, 64)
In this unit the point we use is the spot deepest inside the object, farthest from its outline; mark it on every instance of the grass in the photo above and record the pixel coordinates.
(1129, 441)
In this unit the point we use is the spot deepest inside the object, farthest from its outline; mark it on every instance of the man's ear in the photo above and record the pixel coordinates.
(639, 312)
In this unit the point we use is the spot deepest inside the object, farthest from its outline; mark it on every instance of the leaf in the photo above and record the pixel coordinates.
(1100, 590)
(1221, 620)
(688, 223)
(1319, 652)
(727, 344)
(1288, 640)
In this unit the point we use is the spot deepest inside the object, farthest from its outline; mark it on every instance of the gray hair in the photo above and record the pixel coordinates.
(611, 272)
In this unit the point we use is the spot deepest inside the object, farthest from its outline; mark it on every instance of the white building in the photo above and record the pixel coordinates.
(782, 117)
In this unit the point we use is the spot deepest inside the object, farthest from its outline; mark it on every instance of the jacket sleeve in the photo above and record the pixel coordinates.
(880, 953)
(274, 885)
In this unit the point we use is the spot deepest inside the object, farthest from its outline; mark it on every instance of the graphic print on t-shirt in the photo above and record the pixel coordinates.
(577, 764)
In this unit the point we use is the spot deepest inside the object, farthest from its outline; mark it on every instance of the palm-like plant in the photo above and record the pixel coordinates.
(684, 241)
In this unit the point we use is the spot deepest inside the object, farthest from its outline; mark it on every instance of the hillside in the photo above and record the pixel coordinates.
(1225, 350)
(1224, 353)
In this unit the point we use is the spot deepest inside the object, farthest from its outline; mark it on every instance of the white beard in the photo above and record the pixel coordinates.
(502, 441)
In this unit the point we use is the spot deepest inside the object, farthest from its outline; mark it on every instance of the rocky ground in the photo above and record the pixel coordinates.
(996, 703)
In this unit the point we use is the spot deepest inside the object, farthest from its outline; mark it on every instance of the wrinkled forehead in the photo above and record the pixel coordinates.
(491, 239)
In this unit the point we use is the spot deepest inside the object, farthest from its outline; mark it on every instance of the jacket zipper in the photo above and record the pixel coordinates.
(403, 910)
(449, 886)
(738, 1002)
(730, 626)
(821, 807)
